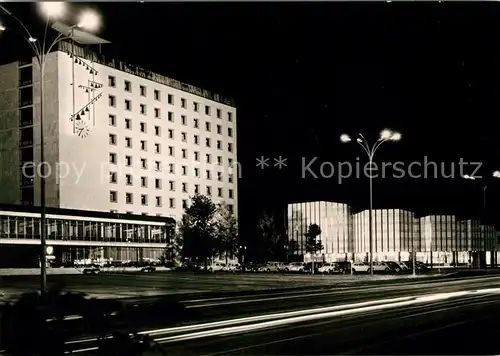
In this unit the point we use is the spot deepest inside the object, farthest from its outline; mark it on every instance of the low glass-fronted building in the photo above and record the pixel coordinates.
(81, 235)
(335, 221)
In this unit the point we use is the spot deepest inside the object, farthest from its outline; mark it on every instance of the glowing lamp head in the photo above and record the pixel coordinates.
(466, 176)
(496, 174)
(2, 27)
(90, 21)
(345, 138)
(386, 134)
(52, 9)
(396, 136)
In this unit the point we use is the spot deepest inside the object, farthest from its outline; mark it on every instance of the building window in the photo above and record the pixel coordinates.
(143, 109)
(219, 145)
(219, 113)
(112, 101)
(230, 178)
(113, 177)
(158, 166)
(112, 139)
(230, 132)
(143, 127)
(112, 120)
(157, 131)
(171, 185)
(170, 99)
(230, 147)
(184, 170)
(219, 192)
(128, 124)
(157, 183)
(111, 82)
(128, 142)
(144, 163)
(184, 120)
(184, 153)
(157, 95)
(207, 110)
(128, 86)
(144, 145)
(230, 162)
(170, 116)
(171, 168)
(171, 134)
(195, 106)
(143, 90)
(144, 182)
(219, 176)
(196, 189)
(219, 160)
(157, 148)
(184, 204)
(183, 103)
(219, 129)
(171, 151)
(129, 179)
(208, 158)
(208, 127)
(183, 136)
(197, 172)
(129, 198)
(231, 194)
(158, 201)
(171, 202)
(208, 142)
(230, 208)
(128, 105)
(209, 174)
(229, 116)
(144, 199)
(196, 156)
(128, 161)
(113, 196)
(157, 113)
(209, 190)
(112, 158)
(26, 96)
(196, 123)
(184, 187)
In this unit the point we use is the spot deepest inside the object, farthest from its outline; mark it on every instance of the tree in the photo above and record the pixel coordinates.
(226, 231)
(292, 247)
(196, 238)
(269, 239)
(313, 245)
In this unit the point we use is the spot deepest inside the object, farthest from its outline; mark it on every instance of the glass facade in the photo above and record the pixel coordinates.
(335, 221)
(77, 236)
(436, 239)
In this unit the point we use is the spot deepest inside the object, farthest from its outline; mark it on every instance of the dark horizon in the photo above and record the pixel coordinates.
(302, 74)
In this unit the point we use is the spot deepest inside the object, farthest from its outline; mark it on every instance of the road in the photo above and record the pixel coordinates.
(447, 316)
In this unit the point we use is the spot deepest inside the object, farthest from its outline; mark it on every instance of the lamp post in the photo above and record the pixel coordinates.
(484, 187)
(41, 48)
(370, 150)
(242, 253)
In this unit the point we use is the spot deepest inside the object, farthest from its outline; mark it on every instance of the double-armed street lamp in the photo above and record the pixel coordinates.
(51, 12)
(385, 136)
(484, 186)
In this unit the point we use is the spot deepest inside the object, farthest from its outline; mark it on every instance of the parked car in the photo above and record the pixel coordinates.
(91, 270)
(360, 267)
(328, 268)
(394, 267)
(343, 267)
(148, 269)
(232, 267)
(296, 267)
(215, 267)
(271, 267)
(381, 267)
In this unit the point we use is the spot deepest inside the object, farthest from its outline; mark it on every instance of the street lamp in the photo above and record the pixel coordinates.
(484, 186)
(385, 136)
(242, 254)
(50, 11)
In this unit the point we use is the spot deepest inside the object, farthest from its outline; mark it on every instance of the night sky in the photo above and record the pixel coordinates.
(302, 74)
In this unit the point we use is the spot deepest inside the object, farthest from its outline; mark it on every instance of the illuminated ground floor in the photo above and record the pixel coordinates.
(434, 258)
